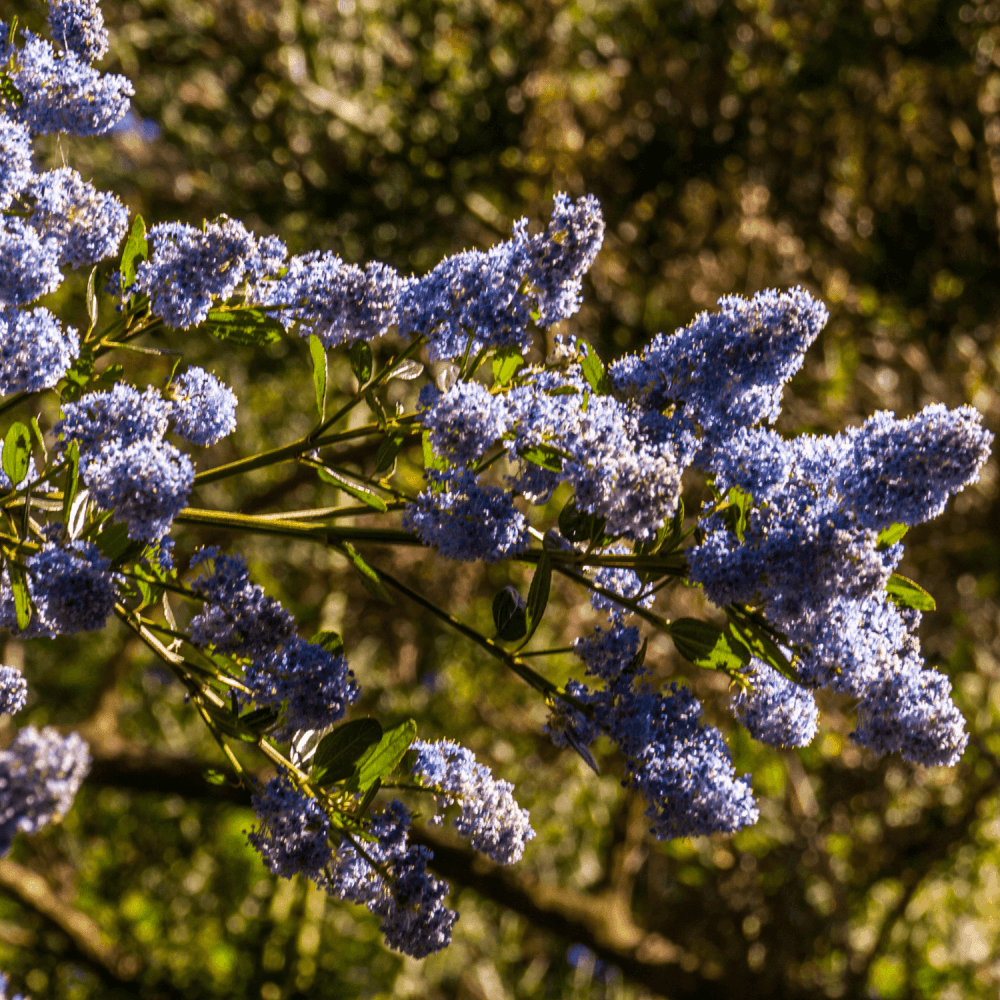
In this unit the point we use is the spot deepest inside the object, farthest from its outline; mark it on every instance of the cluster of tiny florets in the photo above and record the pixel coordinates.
(13, 690)
(88, 225)
(190, 269)
(204, 409)
(293, 837)
(40, 774)
(124, 460)
(489, 815)
(310, 685)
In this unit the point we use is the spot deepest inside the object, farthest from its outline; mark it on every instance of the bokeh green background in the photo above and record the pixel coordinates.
(850, 147)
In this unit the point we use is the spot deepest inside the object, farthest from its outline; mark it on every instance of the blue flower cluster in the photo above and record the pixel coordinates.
(191, 268)
(312, 686)
(810, 556)
(124, 459)
(40, 774)
(13, 690)
(464, 520)
(15, 160)
(727, 369)
(682, 768)
(337, 302)
(475, 300)
(295, 836)
(61, 91)
(775, 710)
(489, 815)
(72, 587)
(87, 225)
(204, 409)
(79, 26)
(29, 263)
(35, 350)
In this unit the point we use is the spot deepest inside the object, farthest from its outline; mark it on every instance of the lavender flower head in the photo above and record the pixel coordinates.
(35, 350)
(61, 92)
(78, 25)
(238, 617)
(682, 768)
(490, 817)
(413, 916)
(15, 160)
(145, 483)
(312, 685)
(87, 224)
(29, 263)
(339, 303)
(293, 832)
(40, 774)
(467, 521)
(13, 690)
(190, 268)
(726, 369)
(124, 460)
(904, 471)
(775, 711)
(464, 422)
(911, 711)
(563, 254)
(72, 587)
(204, 410)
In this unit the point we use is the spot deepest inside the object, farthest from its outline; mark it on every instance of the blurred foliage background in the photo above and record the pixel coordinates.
(852, 147)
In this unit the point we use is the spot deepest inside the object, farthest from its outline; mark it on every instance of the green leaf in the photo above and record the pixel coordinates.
(115, 545)
(92, 298)
(578, 526)
(365, 804)
(432, 460)
(17, 453)
(213, 777)
(380, 761)
(706, 645)
(736, 514)
(506, 362)
(339, 751)
(39, 438)
(245, 327)
(260, 719)
(538, 596)
(71, 483)
(226, 722)
(385, 457)
(369, 577)
(545, 456)
(508, 615)
(329, 641)
(9, 92)
(907, 594)
(22, 600)
(136, 249)
(375, 405)
(348, 486)
(361, 361)
(760, 644)
(891, 535)
(317, 352)
(593, 370)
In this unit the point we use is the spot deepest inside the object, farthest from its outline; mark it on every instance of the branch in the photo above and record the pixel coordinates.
(87, 938)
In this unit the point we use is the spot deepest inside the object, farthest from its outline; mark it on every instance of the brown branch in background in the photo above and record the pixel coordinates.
(87, 939)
